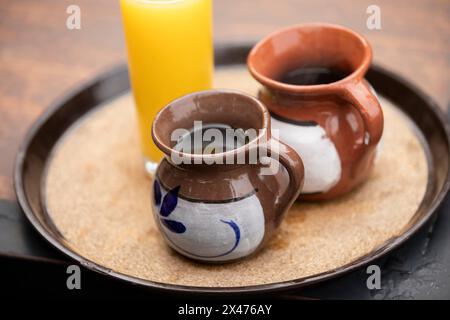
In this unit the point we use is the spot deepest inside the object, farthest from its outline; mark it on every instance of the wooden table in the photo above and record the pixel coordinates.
(40, 58)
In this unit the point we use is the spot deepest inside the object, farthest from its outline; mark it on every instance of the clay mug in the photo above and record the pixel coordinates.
(207, 207)
(335, 126)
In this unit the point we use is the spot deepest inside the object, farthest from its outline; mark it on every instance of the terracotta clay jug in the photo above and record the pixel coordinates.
(335, 127)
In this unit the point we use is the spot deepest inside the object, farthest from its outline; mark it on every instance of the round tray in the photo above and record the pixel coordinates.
(42, 137)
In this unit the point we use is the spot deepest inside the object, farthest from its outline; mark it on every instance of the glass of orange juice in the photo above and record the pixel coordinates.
(170, 54)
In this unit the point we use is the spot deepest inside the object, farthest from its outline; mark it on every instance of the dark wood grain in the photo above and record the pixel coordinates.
(40, 59)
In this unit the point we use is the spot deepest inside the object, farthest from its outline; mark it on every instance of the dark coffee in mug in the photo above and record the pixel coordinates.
(307, 76)
(211, 138)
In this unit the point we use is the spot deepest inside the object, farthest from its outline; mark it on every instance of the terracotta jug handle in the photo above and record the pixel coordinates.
(289, 159)
(362, 98)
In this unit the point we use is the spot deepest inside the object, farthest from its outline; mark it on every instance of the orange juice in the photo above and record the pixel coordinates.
(170, 54)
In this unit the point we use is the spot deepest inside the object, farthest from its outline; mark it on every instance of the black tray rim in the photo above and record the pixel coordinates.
(289, 285)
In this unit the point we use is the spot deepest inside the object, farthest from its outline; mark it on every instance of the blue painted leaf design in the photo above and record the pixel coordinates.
(173, 225)
(237, 234)
(233, 225)
(157, 192)
(170, 202)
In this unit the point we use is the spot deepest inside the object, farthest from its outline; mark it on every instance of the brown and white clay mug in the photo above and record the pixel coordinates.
(214, 211)
(335, 127)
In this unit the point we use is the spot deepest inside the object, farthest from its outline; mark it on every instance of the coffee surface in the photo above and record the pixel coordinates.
(211, 138)
(308, 76)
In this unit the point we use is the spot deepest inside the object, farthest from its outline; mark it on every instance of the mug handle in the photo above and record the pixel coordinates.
(362, 98)
(290, 160)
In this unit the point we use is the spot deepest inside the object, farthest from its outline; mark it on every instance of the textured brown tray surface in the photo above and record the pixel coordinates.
(99, 198)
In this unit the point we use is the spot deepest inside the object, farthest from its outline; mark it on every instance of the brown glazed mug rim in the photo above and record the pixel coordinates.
(263, 136)
(355, 75)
